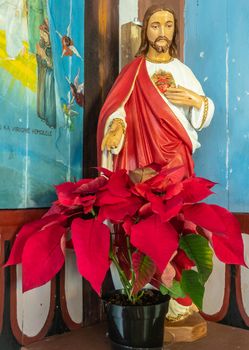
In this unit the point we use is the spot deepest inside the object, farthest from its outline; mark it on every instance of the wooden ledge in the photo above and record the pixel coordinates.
(219, 337)
(88, 338)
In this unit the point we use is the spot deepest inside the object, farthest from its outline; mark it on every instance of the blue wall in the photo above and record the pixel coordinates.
(217, 50)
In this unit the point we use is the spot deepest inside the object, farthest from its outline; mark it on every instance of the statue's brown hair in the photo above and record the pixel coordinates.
(144, 46)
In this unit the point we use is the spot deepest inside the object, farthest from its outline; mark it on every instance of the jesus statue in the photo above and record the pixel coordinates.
(155, 109)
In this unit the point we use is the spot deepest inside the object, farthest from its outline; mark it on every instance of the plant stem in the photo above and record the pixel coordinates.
(131, 264)
(124, 280)
(140, 295)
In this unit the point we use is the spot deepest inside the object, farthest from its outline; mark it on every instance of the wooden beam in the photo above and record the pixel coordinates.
(101, 69)
(244, 221)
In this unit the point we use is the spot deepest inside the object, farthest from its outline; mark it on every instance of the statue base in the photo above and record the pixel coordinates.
(187, 330)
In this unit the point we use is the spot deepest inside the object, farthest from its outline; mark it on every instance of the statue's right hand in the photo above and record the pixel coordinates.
(113, 136)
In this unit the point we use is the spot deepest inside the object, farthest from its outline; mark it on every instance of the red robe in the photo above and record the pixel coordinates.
(153, 134)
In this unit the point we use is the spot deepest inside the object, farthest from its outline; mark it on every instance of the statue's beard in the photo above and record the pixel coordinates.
(159, 48)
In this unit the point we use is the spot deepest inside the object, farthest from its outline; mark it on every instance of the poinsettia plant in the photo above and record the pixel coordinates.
(152, 224)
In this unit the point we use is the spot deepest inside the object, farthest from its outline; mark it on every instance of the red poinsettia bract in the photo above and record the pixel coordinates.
(91, 240)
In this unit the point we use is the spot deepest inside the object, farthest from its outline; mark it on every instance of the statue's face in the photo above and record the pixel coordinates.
(160, 30)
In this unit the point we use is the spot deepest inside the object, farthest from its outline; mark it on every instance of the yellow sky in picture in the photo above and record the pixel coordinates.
(23, 67)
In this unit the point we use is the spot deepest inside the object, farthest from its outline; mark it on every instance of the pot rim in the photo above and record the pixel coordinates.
(165, 298)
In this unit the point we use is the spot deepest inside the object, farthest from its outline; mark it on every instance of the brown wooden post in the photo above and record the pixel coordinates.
(101, 69)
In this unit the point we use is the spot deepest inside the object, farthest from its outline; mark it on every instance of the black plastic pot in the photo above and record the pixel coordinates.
(136, 327)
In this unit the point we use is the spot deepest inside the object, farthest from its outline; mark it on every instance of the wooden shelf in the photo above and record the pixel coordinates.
(219, 337)
(88, 338)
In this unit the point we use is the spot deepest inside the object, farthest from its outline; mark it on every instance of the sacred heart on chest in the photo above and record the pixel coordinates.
(163, 80)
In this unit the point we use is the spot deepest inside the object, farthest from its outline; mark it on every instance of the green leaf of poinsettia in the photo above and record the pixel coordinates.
(144, 269)
(175, 291)
(197, 249)
(192, 286)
